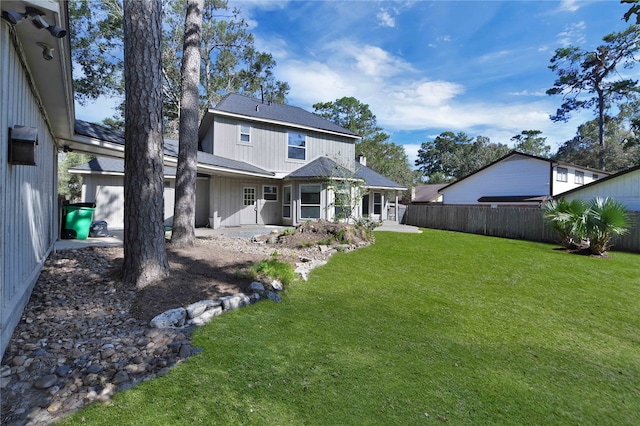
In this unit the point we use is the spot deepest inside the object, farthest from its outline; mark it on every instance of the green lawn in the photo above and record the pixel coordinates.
(417, 329)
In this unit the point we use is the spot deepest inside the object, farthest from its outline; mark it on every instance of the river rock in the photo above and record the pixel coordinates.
(170, 319)
(46, 382)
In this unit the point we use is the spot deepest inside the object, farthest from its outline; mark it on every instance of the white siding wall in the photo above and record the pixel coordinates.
(107, 191)
(624, 189)
(516, 175)
(28, 216)
(268, 147)
(559, 187)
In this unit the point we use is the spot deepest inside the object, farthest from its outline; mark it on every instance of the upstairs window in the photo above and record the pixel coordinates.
(579, 178)
(296, 146)
(596, 177)
(561, 174)
(245, 133)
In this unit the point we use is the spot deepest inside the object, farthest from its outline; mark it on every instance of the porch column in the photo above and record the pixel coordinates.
(396, 207)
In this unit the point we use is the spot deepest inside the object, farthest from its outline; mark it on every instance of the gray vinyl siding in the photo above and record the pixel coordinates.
(107, 192)
(226, 202)
(28, 220)
(268, 147)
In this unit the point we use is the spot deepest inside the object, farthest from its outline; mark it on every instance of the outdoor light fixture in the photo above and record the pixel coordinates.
(12, 16)
(47, 51)
(36, 16)
(38, 21)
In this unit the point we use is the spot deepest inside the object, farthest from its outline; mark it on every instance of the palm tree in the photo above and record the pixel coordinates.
(605, 218)
(567, 218)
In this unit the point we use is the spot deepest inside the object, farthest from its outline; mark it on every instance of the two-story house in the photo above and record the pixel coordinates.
(518, 179)
(258, 164)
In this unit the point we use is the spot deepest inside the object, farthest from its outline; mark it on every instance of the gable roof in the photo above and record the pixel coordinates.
(427, 193)
(320, 167)
(375, 180)
(170, 149)
(522, 154)
(327, 168)
(97, 131)
(253, 109)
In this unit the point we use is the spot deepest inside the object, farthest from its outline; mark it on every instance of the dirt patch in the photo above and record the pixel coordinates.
(217, 266)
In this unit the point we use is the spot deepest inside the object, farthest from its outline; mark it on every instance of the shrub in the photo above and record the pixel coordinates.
(605, 219)
(595, 222)
(567, 218)
(275, 269)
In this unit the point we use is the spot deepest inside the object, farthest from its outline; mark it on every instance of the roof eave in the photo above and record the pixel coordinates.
(214, 112)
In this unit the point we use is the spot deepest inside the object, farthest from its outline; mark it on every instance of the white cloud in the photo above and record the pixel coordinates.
(493, 56)
(572, 34)
(385, 19)
(569, 6)
(529, 93)
(411, 150)
(376, 62)
(403, 99)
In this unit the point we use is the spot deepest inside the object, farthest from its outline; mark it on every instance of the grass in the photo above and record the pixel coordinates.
(428, 328)
(275, 269)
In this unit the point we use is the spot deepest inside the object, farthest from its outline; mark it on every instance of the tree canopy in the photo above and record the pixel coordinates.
(456, 155)
(531, 142)
(230, 62)
(585, 150)
(383, 156)
(586, 78)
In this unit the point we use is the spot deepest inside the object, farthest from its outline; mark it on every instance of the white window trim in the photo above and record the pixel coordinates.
(284, 203)
(381, 203)
(244, 195)
(564, 174)
(342, 189)
(240, 133)
(296, 160)
(577, 174)
(264, 194)
(300, 205)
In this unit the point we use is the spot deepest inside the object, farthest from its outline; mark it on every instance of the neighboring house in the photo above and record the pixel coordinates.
(427, 194)
(518, 179)
(36, 93)
(623, 187)
(258, 164)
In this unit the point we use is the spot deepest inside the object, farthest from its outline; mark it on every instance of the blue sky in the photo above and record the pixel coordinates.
(425, 67)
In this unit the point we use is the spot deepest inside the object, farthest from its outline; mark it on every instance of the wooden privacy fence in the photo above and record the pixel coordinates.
(506, 222)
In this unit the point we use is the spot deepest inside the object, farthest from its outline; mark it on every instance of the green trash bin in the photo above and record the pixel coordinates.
(79, 219)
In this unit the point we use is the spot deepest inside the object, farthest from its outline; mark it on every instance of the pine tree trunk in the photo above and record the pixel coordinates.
(145, 258)
(184, 216)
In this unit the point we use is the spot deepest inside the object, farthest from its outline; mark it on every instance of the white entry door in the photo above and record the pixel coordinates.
(249, 212)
